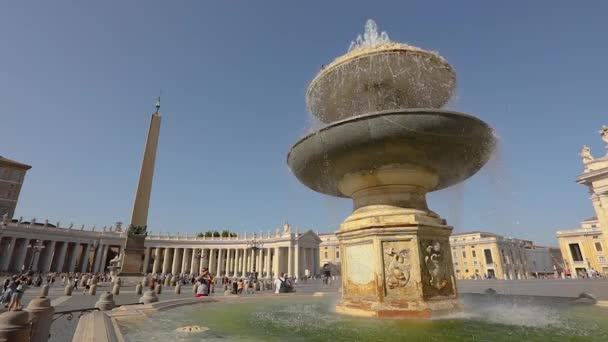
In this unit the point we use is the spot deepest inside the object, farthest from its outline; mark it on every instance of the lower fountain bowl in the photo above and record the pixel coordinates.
(448, 146)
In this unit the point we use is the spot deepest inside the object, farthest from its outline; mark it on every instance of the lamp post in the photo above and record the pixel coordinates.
(254, 244)
(36, 248)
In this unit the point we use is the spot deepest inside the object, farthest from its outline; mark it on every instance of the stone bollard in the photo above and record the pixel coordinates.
(68, 290)
(93, 289)
(105, 302)
(116, 289)
(178, 289)
(173, 281)
(144, 282)
(44, 291)
(158, 288)
(194, 288)
(138, 289)
(15, 326)
(149, 297)
(41, 316)
(168, 281)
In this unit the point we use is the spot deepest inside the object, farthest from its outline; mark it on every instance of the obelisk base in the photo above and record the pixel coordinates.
(396, 263)
(133, 259)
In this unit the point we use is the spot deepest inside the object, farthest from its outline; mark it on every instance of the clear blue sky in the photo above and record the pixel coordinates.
(78, 82)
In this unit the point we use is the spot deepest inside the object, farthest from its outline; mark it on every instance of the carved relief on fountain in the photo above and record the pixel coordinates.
(437, 277)
(397, 265)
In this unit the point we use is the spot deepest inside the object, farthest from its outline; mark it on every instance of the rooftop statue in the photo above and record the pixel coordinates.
(586, 154)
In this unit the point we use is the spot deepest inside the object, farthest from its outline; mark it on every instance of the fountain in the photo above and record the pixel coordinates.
(385, 144)
(382, 150)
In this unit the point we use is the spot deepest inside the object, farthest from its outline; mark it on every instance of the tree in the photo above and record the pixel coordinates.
(215, 233)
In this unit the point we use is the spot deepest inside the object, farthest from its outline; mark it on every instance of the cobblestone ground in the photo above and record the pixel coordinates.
(63, 329)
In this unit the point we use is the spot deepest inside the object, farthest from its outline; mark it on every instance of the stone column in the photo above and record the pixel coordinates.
(36, 256)
(258, 267)
(275, 262)
(317, 261)
(157, 256)
(305, 261)
(195, 261)
(290, 261)
(177, 258)
(61, 257)
(244, 262)
(212, 261)
(237, 262)
(7, 255)
(220, 259)
(104, 258)
(185, 260)
(48, 258)
(296, 261)
(85, 258)
(146, 260)
(21, 254)
(98, 253)
(267, 267)
(228, 261)
(167, 258)
(73, 257)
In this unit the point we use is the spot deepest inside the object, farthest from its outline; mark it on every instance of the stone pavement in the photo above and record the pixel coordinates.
(539, 287)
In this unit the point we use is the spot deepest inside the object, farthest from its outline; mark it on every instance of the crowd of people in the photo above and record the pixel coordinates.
(15, 285)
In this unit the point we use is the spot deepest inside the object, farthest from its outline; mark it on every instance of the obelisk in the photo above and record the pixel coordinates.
(136, 234)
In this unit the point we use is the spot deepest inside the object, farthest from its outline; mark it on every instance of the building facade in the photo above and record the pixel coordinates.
(480, 255)
(50, 248)
(12, 175)
(583, 248)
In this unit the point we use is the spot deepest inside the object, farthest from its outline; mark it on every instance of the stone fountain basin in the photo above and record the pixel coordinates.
(387, 77)
(450, 145)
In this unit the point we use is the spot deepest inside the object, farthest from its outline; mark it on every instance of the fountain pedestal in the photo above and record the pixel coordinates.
(396, 263)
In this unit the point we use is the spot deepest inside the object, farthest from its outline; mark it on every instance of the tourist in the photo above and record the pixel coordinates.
(240, 286)
(280, 284)
(17, 294)
(202, 290)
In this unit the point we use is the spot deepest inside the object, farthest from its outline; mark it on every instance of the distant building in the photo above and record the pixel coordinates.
(478, 255)
(12, 174)
(329, 250)
(583, 248)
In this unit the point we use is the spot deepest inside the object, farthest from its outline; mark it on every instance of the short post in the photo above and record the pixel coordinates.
(44, 291)
(158, 289)
(149, 297)
(194, 288)
(138, 289)
(173, 281)
(93, 289)
(41, 316)
(105, 302)
(15, 326)
(167, 281)
(144, 282)
(178, 289)
(68, 290)
(116, 289)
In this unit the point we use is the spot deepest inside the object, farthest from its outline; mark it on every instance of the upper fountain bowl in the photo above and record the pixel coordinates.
(379, 77)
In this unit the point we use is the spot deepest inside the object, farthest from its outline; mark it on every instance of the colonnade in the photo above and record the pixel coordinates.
(233, 261)
(44, 248)
(39, 255)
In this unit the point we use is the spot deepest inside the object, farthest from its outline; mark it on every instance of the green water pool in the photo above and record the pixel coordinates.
(306, 318)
